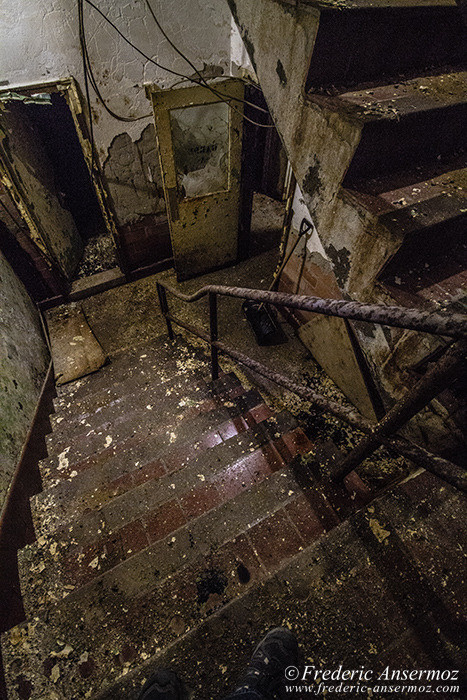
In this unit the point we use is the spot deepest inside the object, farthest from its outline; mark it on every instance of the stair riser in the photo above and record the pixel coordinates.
(377, 45)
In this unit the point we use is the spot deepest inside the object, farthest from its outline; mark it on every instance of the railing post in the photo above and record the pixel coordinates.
(214, 335)
(162, 294)
(427, 388)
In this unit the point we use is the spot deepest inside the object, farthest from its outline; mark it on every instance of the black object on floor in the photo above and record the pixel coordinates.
(263, 321)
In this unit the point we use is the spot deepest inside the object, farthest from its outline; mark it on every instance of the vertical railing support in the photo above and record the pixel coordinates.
(214, 335)
(427, 388)
(162, 294)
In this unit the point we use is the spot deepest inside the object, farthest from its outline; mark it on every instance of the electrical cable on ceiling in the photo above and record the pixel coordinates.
(182, 75)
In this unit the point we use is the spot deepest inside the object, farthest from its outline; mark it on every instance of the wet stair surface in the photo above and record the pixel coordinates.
(165, 496)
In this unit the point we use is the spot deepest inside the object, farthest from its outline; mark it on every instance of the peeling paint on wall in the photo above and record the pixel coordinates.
(24, 359)
(32, 51)
(133, 176)
(341, 262)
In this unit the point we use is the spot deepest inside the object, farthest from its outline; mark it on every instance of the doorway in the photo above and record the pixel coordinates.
(43, 146)
(56, 129)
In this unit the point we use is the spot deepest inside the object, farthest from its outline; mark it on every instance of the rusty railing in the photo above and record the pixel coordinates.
(384, 432)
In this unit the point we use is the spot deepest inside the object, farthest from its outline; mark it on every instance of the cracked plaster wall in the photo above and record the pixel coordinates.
(24, 359)
(39, 41)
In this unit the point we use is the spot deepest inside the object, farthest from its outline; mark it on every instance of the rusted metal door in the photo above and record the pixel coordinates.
(199, 137)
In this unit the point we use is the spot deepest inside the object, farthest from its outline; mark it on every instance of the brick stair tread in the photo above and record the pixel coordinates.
(398, 100)
(95, 403)
(103, 400)
(151, 587)
(118, 363)
(175, 398)
(107, 443)
(152, 365)
(97, 540)
(159, 400)
(414, 204)
(214, 424)
(92, 488)
(301, 594)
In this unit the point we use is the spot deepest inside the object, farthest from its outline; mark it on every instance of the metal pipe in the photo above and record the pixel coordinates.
(427, 388)
(443, 468)
(452, 325)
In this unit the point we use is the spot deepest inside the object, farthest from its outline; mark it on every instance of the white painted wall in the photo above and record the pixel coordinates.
(39, 41)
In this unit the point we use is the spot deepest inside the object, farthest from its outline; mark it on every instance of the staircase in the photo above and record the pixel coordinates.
(370, 101)
(165, 497)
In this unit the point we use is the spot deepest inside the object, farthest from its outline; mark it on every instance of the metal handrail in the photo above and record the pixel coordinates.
(435, 322)
(381, 433)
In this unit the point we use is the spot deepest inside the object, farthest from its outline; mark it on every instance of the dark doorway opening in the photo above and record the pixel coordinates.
(264, 167)
(56, 129)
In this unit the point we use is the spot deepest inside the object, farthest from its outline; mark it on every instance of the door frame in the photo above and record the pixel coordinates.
(69, 88)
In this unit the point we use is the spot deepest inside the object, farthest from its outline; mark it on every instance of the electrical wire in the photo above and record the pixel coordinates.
(87, 67)
(181, 75)
(192, 65)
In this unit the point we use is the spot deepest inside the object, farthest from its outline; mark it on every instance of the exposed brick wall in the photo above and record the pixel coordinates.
(145, 242)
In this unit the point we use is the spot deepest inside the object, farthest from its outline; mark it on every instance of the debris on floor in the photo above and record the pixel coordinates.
(99, 255)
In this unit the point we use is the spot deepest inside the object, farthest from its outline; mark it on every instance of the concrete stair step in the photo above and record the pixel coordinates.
(366, 42)
(410, 205)
(414, 123)
(96, 541)
(425, 208)
(94, 487)
(413, 189)
(151, 599)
